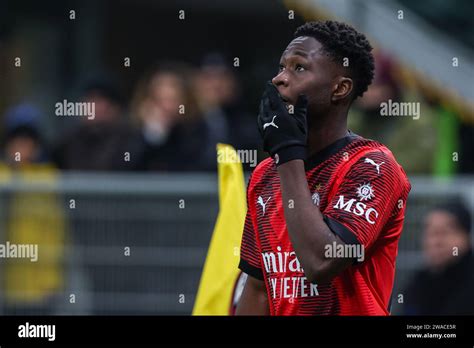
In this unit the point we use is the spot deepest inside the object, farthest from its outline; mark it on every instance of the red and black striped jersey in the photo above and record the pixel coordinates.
(361, 192)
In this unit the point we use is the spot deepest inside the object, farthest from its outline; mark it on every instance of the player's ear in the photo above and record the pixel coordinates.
(342, 88)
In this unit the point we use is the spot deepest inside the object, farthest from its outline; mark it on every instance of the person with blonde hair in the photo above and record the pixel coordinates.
(163, 107)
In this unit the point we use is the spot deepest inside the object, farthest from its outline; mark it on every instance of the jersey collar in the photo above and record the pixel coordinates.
(330, 150)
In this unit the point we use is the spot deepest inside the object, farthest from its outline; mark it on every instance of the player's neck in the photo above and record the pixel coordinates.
(320, 136)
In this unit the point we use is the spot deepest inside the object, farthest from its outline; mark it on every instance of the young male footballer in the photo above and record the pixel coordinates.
(326, 210)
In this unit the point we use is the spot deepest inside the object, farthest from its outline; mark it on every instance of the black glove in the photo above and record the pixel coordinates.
(284, 134)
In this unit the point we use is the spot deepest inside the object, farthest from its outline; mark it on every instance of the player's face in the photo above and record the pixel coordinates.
(441, 235)
(305, 69)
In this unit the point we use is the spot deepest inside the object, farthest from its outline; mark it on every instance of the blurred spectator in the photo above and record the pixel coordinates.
(218, 94)
(105, 143)
(446, 286)
(23, 142)
(401, 134)
(384, 87)
(31, 217)
(171, 129)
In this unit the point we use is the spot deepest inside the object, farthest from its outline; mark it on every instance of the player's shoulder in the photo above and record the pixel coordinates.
(372, 150)
(376, 157)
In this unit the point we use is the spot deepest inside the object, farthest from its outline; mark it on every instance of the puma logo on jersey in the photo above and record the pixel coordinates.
(260, 201)
(316, 199)
(372, 162)
(270, 123)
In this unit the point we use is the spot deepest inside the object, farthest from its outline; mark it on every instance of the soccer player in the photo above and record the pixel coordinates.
(326, 210)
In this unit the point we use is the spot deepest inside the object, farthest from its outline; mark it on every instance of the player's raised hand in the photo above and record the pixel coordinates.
(284, 130)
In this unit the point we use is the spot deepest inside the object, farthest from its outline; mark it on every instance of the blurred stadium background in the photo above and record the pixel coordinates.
(77, 196)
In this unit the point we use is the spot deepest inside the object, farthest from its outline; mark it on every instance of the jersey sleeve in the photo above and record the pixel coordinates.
(365, 198)
(249, 248)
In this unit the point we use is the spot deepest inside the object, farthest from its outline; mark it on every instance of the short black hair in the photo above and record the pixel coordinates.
(339, 41)
(104, 86)
(459, 211)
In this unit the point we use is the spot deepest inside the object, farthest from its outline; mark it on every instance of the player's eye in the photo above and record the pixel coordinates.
(300, 68)
(281, 68)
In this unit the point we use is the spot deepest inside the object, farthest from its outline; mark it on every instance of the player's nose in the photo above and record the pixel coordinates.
(281, 80)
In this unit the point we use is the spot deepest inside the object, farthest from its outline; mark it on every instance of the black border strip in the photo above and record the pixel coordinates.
(153, 331)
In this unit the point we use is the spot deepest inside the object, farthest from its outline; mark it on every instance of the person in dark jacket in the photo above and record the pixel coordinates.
(104, 142)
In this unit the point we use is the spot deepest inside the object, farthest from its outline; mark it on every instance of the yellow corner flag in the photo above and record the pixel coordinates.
(221, 271)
